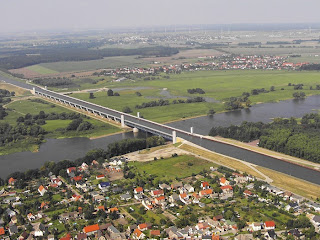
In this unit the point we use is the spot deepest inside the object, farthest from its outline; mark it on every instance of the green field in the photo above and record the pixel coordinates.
(219, 85)
(170, 168)
(20, 108)
(40, 69)
(107, 63)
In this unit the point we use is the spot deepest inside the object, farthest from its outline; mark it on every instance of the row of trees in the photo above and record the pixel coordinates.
(162, 102)
(282, 135)
(196, 90)
(23, 58)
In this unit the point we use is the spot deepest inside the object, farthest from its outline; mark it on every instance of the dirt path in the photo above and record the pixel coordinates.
(163, 152)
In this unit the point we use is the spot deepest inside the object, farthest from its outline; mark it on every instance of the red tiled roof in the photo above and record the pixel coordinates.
(226, 187)
(137, 232)
(206, 192)
(1, 231)
(142, 226)
(157, 192)
(160, 198)
(100, 176)
(139, 189)
(91, 228)
(155, 233)
(41, 188)
(77, 178)
(113, 209)
(205, 184)
(11, 180)
(269, 224)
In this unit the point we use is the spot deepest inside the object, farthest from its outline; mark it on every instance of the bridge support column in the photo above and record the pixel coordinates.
(174, 137)
(191, 130)
(45, 87)
(135, 130)
(122, 120)
(33, 91)
(138, 114)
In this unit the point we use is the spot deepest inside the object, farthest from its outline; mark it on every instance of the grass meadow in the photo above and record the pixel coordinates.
(219, 85)
(170, 168)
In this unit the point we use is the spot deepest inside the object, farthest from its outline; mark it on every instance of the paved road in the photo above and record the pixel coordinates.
(295, 170)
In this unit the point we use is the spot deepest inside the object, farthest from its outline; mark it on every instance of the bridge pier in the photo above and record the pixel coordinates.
(135, 130)
(138, 114)
(191, 130)
(122, 120)
(33, 91)
(174, 137)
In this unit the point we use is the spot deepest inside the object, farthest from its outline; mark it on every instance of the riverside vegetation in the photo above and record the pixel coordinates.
(298, 139)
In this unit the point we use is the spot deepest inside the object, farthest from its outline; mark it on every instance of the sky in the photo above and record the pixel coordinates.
(32, 15)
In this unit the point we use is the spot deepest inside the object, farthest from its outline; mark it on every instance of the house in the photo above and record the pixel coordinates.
(42, 190)
(174, 197)
(71, 170)
(51, 237)
(269, 225)
(247, 193)
(202, 226)
(205, 185)
(2, 232)
(84, 166)
(138, 196)
(82, 236)
(176, 185)
(224, 181)
(125, 197)
(226, 189)
(217, 218)
(44, 205)
(137, 234)
(255, 226)
(77, 178)
(155, 233)
(164, 186)
(56, 181)
(23, 236)
(270, 234)
(316, 220)
(92, 229)
(142, 226)
(39, 229)
(13, 229)
(184, 197)
(157, 193)
(104, 185)
(160, 200)
(100, 177)
(205, 192)
(295, 233)
(138, 190)
(31, 217)
(292, 205)
(189, 188)
(11, 181)
(115, 209)
(75, 197)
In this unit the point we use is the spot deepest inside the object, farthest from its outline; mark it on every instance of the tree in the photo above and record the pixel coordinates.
(91, 96)
(138, 94)
(272, 88)
(211, 112)
(110, 92)
(116, 94)
(126, 109)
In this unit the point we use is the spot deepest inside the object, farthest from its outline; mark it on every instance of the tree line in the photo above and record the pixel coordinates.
(282, 135)
(162, 102)
(196, 90)
(34, 56)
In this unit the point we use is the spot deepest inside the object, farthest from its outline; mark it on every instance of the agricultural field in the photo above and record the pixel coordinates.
(41, 70)
(170, 168)
(18, 91)
(218, 85)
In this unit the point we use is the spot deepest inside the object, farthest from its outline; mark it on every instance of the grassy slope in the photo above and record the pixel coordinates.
(218, 84)
(170, 168)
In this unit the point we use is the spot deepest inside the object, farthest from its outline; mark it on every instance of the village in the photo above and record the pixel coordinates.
(209, 63)
(113, 200)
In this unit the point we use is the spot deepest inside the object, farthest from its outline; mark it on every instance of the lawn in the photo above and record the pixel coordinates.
(219, 85)
(170, 168)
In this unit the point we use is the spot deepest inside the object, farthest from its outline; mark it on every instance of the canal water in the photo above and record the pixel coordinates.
(71, 149)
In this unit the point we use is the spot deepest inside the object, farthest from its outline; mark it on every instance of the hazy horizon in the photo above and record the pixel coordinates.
(35, 15)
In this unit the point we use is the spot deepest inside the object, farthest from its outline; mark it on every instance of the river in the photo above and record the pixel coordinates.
(60, 149)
